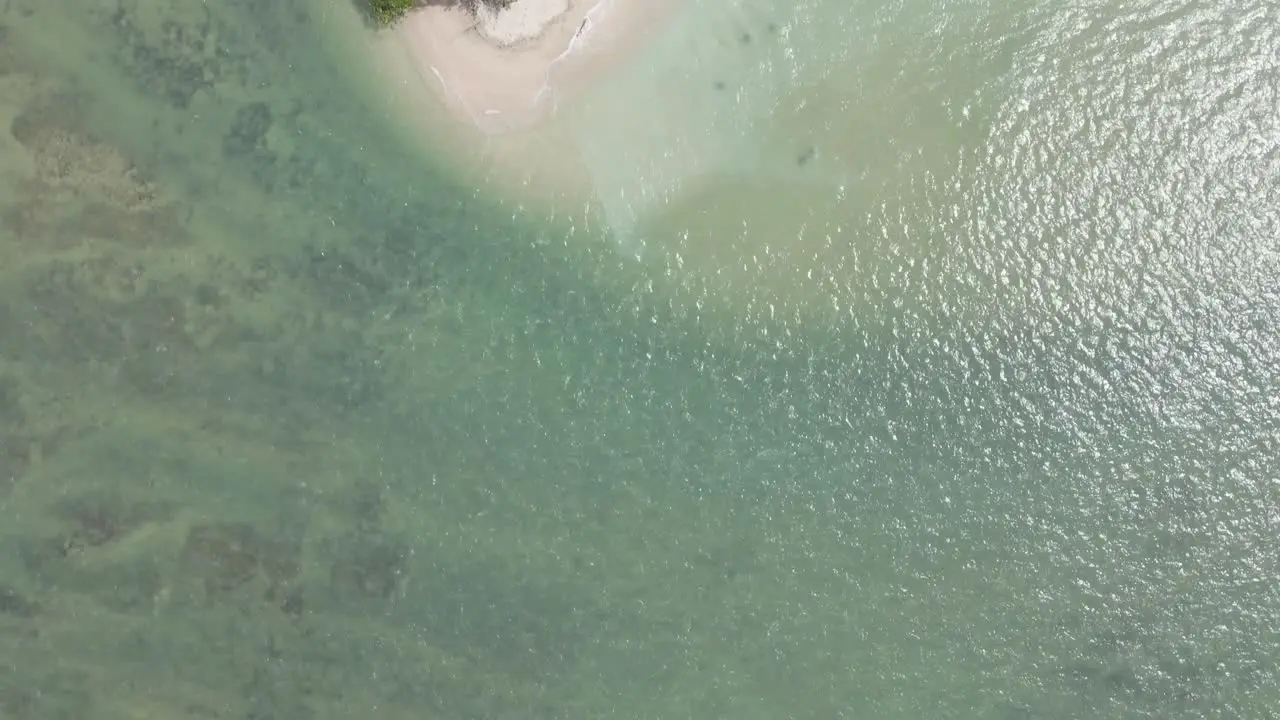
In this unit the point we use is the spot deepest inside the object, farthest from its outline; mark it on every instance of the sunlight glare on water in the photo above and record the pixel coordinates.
(938, 376)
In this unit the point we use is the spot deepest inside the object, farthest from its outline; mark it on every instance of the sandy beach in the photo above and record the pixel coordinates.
(506, 70)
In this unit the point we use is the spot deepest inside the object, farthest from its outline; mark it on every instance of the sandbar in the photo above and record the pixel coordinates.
(510, 69)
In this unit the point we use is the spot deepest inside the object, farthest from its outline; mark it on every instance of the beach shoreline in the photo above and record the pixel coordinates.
(506, 70)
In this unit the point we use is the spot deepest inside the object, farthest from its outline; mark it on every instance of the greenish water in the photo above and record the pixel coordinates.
(293, 426)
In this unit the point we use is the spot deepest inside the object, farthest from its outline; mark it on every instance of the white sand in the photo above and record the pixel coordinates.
(520, 22)
(509, 70)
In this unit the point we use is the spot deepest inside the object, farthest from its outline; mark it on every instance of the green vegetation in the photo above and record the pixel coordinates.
(389, 11)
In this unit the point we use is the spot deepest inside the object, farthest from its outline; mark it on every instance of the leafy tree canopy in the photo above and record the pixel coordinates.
(387, 12)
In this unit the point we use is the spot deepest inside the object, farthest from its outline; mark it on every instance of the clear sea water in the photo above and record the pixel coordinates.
(947, 387)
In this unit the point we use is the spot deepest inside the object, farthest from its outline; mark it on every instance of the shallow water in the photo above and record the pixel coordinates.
(293, 424)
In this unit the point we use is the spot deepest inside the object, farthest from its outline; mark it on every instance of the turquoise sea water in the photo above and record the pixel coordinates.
(294, 425)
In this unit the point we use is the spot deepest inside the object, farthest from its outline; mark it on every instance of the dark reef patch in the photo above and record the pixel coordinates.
(248, 130)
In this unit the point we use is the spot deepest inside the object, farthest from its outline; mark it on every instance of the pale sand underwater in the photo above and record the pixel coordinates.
(620, 113)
